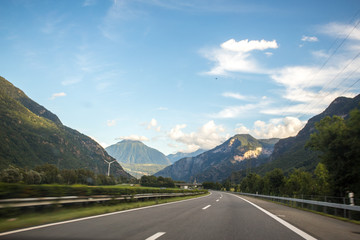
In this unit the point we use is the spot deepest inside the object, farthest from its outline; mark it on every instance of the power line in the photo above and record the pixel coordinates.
(327, 60)
(337, 75)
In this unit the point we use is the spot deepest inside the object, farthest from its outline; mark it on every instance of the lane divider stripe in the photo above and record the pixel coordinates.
(156, 236)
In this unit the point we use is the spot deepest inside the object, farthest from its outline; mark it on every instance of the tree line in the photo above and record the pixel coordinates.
(299, 182)
(50, 174)
(275, 182)
(153, 181)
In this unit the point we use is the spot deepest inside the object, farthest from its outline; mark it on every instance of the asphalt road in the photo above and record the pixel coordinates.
(217, 216)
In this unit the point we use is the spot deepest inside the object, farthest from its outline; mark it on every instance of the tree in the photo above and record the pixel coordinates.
(252, 183)
(32, 177)
(69, 176)
(299, 182)
(11, 175)
(322, 186)
(208, 185)
(274, 182)
(49, 173)
(338, 141)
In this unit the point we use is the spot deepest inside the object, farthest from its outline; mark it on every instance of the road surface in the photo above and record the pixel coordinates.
(216, 216)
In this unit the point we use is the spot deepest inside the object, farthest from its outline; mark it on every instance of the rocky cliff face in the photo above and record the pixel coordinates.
(239, 152)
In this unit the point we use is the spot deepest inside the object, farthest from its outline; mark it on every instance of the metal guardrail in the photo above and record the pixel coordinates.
(33, 202)
(313, 202)
(319, 205)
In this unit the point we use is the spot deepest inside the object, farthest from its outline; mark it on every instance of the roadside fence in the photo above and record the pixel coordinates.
(43, 201)
(343, 207)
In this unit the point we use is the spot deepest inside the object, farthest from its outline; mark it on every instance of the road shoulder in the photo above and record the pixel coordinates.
(321, 227)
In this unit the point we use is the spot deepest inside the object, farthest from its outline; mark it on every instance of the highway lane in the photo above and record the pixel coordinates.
(217, 216)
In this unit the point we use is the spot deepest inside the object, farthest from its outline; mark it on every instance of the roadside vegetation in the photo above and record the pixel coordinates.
(50, 174)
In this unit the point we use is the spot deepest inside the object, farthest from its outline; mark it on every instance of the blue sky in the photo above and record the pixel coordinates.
(179, 75)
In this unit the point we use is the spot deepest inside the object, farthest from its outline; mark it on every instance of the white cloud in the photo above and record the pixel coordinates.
(341, 30)
(241, 129)
(248, 46)
(154, 125)
(278, 128)
(274, 128)
(111, 123)
(234, 95)
(133, 137)
(234, 111)
(56, 95)
(313, 88)
(309, 39)
(235, 56)
(239, 110)
(207, 137)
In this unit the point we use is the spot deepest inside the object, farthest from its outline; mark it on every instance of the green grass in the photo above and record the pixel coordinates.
(62, 214)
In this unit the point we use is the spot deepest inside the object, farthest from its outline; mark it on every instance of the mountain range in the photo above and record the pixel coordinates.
(179, 155)
(239, 152)
(290, 153)
(31, 135)
(242, 154)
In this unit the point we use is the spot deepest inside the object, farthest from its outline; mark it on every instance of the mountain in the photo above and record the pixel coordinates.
(239, 152)
(179, 155)
(30, 135)
(290, 153)
(137, 158)
(129, 151)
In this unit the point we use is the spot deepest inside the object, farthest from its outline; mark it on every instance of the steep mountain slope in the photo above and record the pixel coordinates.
(31, 135)
(137, 158)
(290, 152)
(239, 152)
(179, 155)
(128, 151)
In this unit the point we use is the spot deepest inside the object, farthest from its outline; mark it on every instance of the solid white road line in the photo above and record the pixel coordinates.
(96, 216)
(286, 224)
(206, 207)
(156, 236)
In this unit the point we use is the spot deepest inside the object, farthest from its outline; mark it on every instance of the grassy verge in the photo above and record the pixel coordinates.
(62, 214)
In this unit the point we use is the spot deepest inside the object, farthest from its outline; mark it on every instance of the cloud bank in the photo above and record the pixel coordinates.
(208, 136)
(233, 56)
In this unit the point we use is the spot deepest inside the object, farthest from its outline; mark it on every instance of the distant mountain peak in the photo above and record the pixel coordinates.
(136, 152)
(238, 152)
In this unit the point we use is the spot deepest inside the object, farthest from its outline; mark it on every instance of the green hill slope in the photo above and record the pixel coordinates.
(135, 152)
(137, 158)
(30, 135)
